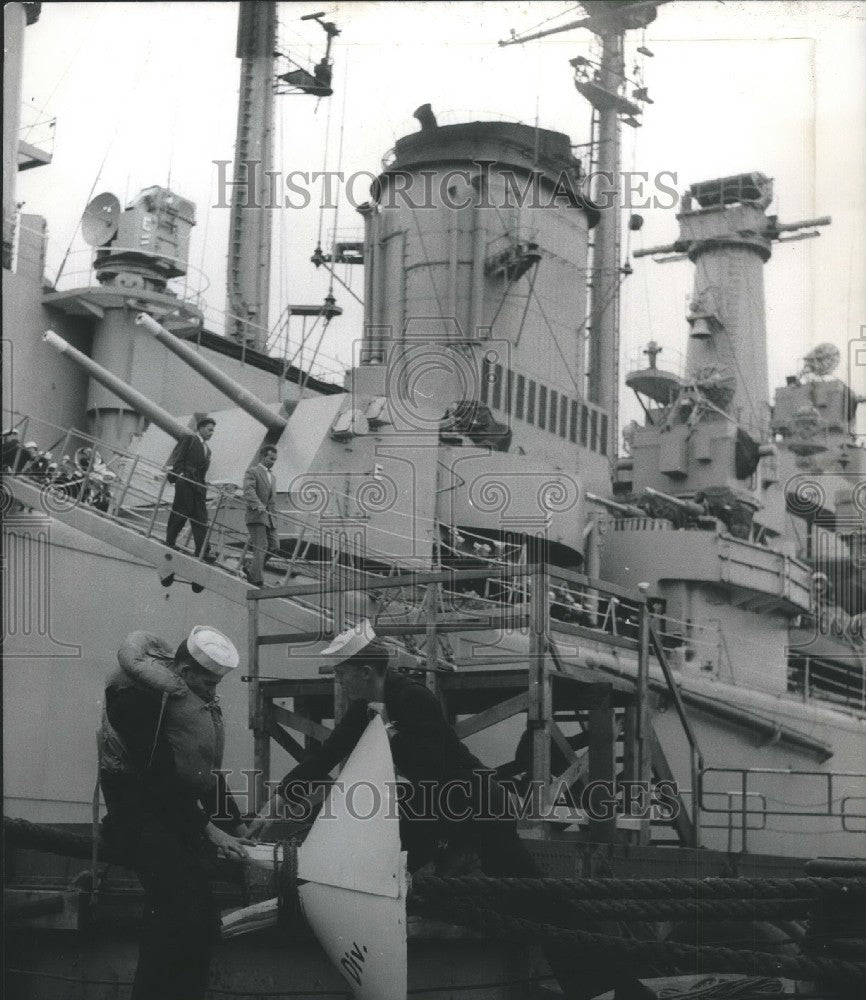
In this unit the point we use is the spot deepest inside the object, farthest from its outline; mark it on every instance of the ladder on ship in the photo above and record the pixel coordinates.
(136, 515)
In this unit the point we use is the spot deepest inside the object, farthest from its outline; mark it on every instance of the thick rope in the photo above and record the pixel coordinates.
(41, 837)
(454, 899)
(632, 888)
(649, 954)
(649, 910)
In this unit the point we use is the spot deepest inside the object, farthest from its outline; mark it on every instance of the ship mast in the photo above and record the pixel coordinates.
(249, 256)
(608, 20)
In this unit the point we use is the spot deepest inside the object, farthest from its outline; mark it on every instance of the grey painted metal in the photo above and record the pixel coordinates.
(643, 721)
(623, 509)
(226, 384)
(132, 397)
(13, 30)
(687, 506)
(606, 277)
(250, 223)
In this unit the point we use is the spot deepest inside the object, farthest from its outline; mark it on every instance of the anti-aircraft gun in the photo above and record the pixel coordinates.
(617, 509)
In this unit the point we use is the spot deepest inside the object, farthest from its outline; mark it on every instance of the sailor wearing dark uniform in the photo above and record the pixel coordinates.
(453, 798)
(161, 741)
(189, 462)
(426, 751)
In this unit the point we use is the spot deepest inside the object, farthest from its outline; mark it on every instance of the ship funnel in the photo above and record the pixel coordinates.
(228, 386)
(132, 397)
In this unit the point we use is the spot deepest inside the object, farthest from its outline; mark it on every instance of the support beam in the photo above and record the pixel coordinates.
(300, 723)
(287, 742)
(492, 716)
(539, 706)
(662, 772)
(602, 765)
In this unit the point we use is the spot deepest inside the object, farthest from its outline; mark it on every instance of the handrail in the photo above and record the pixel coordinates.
(826, 810)
(696, 757)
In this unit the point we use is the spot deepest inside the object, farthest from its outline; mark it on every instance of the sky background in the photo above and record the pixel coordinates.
(145, 93)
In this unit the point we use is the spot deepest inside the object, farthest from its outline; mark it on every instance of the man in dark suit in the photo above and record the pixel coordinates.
(453, 797)
(260, 494)
(189, 462)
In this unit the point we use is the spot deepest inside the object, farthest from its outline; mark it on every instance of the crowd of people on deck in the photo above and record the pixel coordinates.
(83, 476)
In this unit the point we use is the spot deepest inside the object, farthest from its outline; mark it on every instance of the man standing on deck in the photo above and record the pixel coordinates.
(260, 494)
(161, 741)
(467, 808)
(188, 463)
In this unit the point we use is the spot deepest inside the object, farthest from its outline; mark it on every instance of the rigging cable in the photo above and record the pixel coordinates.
(121, 117)
(324, 171)
(339, 172)
(85, 36)
(552, 17)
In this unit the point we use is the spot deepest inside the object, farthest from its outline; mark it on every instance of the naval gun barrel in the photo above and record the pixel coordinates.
(132, 397)
(228, 386)
(623, 509)
(688, 507)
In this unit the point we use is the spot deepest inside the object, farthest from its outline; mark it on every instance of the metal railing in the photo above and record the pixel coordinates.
(696, 757)
(81, 272)
(830, 805)
(816, 677)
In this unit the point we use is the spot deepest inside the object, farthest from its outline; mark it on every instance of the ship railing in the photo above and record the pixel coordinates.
(704, 648)
(293, 348)
(141, 499)
(462, 116)
(79, 271)
(689, 642)
(829, 802)
(819, 679)
(670, 359)
(733, 812)
(37, 130)
(653, 643)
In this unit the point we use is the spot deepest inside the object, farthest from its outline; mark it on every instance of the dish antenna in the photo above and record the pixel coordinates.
(100, 220)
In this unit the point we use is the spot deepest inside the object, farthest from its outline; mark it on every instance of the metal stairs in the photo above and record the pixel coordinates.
(132, 538)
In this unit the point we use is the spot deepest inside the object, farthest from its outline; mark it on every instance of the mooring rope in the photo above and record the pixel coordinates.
(650, 910)
(650, 888)
(648, 955)
(457, 899)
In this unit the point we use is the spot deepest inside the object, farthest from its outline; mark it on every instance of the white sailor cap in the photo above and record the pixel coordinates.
(351, 641)
(212, 650)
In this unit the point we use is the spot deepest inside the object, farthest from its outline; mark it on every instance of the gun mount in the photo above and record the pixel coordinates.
(132, 397)
(228, 386)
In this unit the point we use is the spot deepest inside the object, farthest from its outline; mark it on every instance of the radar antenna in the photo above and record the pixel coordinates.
(602, 83)
(100, 220)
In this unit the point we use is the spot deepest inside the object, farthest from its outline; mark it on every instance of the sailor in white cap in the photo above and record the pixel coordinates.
(452, 800)
(161, 752)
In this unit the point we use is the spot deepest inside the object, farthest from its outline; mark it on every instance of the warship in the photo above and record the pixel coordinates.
(675, 603)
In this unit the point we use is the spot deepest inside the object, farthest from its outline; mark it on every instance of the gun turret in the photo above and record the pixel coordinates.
(132, 397)
(233, 390)
(621, 509)
(686, 508)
